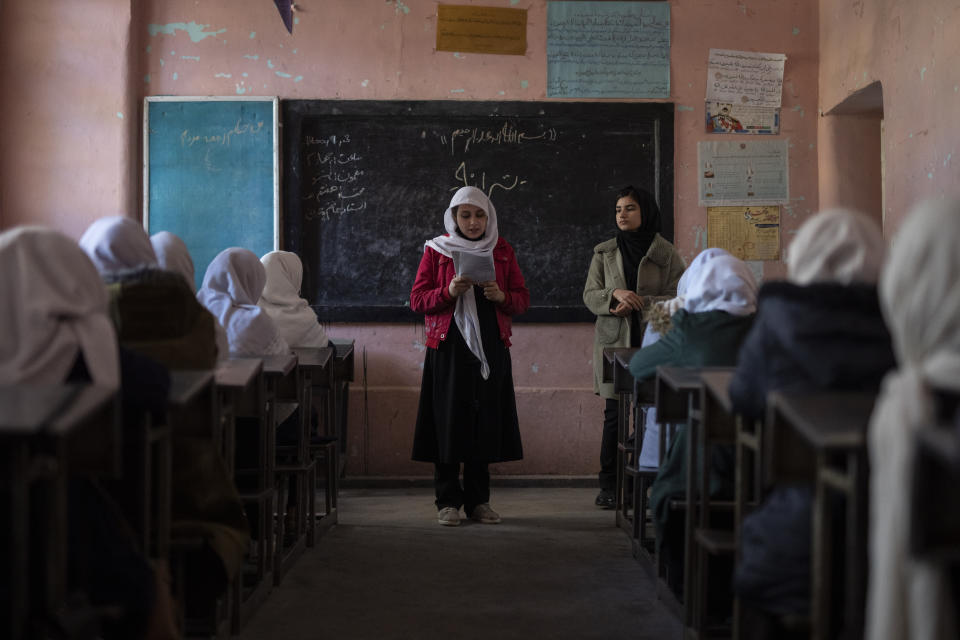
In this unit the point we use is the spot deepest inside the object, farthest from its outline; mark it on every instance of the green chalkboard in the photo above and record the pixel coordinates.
(211, 173)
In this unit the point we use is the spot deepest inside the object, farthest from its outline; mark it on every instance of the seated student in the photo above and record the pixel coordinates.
(718, 306)
(909, 597)
(659, 321)
(57, 329)
(232, 285)
(281, 300)
(173, 255)
(159, 317)
(821, 329)
(158, 314)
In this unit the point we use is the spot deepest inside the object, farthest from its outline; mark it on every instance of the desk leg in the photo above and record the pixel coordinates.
(821, 559)
(621, 440)
(688, 525)
(856, 543)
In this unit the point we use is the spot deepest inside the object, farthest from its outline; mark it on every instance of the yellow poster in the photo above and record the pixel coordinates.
(481, 29)
(750, 233)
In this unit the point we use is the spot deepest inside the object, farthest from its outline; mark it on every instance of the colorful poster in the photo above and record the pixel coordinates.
(481, 29)
(608, 49)
(745, 77)
(724, 117)
(749, 233)
(743, 173)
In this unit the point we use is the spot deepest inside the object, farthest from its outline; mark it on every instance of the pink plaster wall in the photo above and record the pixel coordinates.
(912, 49)
(355, 49)
(68, 115)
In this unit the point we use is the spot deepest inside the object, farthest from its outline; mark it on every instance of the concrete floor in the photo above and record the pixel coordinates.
(556, 568)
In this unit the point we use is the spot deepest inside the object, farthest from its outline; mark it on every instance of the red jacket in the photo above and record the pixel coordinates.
(431, 296)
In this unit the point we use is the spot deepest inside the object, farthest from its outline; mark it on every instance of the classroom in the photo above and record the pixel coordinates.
(866, 121)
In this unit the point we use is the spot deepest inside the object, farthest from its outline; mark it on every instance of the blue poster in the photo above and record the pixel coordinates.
(608, 50)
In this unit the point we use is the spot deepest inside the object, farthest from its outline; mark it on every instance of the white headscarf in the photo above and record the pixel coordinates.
(281, 299)
(117, 243)
(717, 281)
(53, 306)
(837, 245)
(465, 313)
(173, 255)
(920, 298)
(231, 287)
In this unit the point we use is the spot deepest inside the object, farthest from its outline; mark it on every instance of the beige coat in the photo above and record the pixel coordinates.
(657, 278)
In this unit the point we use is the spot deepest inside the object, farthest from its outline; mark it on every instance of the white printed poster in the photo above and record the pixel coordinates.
(743, 173)
(745, 77)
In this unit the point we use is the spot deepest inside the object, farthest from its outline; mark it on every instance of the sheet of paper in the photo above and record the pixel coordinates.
(608, 49)
(750, 233)
(745, 77)
(481, 29)
(725, 117)
(745, 172)
(478, 267)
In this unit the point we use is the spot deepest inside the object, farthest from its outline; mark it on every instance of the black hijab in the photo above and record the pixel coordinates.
(633, 245)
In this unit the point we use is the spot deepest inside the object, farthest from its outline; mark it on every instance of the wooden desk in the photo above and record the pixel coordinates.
(39, 424)
(339, 398)
(241, 384)
(934, 512)
(677, 394)
(820, 438)
(239, 391)
(323, 445)
(711, 423)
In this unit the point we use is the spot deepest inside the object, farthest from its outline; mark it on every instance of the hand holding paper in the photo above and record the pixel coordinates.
(477, 267)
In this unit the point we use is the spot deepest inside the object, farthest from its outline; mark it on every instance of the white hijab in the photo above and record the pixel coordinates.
(281, 299)
(117, 243)
(465, 313)
(231, 287)
(173, 255)
(717, 281)
(920, 298)
(837, 245)
(53, 306)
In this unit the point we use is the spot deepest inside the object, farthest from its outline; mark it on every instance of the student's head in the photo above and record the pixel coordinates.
(284, 276)
(471, 215)
(717, 281)
(117, 244)
(237, 273)
(637, 210)
(919, 289)
(53, 309)
(837, 245)
(173, 255)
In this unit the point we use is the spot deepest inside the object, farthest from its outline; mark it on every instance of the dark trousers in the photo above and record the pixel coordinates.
(608, 446)
(475, 489)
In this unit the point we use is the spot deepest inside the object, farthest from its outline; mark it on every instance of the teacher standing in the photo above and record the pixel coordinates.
(628, 273)
(467, 412)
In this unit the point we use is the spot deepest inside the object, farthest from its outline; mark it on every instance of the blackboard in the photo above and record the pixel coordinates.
(367, 182)
(211, 173)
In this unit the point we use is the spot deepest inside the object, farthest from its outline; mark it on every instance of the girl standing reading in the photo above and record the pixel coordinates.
(467, 411)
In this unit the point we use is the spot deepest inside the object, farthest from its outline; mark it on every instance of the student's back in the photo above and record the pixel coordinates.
(822, 329)
(156, 311)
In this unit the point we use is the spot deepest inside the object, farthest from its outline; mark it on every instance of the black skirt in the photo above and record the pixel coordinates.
(461, 416)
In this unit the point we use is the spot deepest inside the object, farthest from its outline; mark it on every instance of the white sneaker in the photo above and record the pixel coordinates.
(449, 517)
(484, 514)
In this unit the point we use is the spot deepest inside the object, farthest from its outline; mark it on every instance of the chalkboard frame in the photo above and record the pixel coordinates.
(274, 214)
(660, 116)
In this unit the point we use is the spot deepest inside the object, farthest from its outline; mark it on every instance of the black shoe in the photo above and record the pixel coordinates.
(606, 499)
